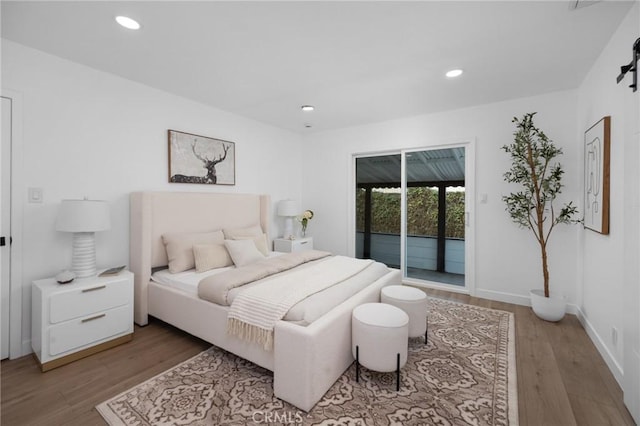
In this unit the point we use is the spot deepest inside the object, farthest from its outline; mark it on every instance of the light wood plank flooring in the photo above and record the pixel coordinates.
(562, 380)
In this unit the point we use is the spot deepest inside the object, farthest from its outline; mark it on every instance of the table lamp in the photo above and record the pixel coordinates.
(288, 209)
(83, 218)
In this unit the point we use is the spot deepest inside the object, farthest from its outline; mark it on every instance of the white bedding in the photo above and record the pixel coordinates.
(255, 311)
(187, 281)
(304, 312)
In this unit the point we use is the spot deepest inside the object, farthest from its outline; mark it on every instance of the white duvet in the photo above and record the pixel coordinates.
(304, 312)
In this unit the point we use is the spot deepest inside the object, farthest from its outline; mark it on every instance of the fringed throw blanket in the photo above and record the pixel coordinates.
(255, 311)
(216, 287)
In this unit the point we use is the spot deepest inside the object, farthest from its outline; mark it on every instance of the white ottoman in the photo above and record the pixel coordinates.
(380, 338)
(411, 300)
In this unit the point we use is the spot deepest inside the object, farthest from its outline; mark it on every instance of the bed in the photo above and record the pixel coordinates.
(305, 359)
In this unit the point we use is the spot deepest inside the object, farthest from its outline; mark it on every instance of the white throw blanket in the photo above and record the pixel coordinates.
(254, 312)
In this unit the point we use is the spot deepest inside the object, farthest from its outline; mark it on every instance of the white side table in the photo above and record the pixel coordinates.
(414, 302)
(379, 338)
(290, 246)
(75, 320)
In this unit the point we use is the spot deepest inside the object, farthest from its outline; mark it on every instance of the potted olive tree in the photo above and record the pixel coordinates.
(540, 179)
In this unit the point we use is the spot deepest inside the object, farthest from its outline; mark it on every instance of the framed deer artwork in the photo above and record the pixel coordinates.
(200, 159)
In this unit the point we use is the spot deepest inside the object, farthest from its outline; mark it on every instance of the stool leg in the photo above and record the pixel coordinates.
(426, 332)
(398, 374)
(357, 363)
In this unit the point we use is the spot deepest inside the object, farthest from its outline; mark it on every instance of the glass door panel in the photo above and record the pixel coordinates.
(378, 203)
(435, 215)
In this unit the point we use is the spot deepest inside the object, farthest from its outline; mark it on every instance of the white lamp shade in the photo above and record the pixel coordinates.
(83, 216)
(287, 208)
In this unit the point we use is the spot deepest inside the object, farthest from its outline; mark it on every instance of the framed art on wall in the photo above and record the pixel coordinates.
(597, 146)
(200, 159)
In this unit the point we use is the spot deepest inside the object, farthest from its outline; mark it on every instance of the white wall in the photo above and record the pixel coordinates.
(609, 263)
(89, 133)
(507, 258)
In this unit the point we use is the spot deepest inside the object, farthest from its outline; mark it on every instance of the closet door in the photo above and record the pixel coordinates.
(5, 224)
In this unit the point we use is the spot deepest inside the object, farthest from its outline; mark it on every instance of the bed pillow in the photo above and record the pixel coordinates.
(237, 233)
(211, 256)
(260, 242)
(179, 247)
(243, 252)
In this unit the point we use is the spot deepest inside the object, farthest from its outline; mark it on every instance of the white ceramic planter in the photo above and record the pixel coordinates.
(550, 308)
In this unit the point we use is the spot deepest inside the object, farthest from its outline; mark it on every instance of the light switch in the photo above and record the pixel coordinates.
(35, 195)
(483, 198)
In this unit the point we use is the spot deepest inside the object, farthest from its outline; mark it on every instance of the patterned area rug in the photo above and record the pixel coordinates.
(465, 375)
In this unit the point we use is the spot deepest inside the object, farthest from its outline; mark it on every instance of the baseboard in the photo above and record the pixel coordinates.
(499, 296)
(516, 299)
(609, 359)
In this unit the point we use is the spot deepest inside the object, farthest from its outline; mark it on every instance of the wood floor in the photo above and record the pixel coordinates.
(562, 380)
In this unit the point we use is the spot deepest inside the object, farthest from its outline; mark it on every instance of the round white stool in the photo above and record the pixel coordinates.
(411, 300)
(379, 338)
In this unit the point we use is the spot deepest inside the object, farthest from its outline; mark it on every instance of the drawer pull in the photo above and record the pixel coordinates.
(100, 287)
(94, 318)
(303, 242)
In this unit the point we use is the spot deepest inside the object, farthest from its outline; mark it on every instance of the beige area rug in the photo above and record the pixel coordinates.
(465, 375)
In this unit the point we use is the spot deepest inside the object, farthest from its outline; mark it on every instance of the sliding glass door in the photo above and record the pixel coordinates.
(411, 213)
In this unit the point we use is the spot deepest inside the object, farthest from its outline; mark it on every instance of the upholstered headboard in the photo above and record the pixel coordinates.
(153, 214)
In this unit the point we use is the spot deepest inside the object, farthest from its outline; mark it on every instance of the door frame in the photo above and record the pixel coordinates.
(17, 347)
(630, 382)
(470, 196)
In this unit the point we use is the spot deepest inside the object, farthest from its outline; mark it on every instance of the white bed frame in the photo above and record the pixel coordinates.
(306, 360)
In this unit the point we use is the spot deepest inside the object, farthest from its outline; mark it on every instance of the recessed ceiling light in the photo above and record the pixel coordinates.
(454, 73)
(307, 107)
(127, 22)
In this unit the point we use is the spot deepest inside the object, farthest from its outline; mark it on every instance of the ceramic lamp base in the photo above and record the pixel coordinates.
(83, 261)
(288, 228)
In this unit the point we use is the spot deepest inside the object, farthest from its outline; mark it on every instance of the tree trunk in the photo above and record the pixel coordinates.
(545, 268)
(539, 206)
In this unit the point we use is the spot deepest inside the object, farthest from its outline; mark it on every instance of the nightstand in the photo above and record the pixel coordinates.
(290, 246)
(75, 320)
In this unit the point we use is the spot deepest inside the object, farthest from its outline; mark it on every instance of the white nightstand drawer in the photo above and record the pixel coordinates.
(301, 245)
(83, 331)
(292, 246)
(82, 301)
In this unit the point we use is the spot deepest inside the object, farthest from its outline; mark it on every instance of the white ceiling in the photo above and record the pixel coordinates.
(357, 62)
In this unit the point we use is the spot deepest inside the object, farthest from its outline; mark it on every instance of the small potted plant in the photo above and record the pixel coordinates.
(540, 179)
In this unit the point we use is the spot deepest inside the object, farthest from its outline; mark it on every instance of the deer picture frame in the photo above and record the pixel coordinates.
(200, 159)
